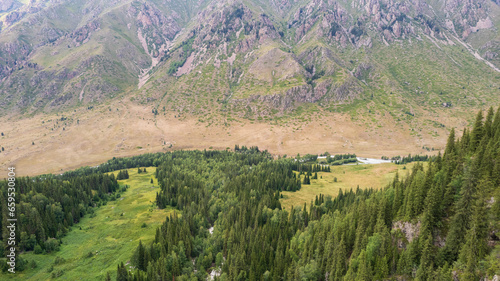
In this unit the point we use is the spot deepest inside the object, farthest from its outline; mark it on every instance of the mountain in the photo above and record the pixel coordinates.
(409, 70)
(256, 58)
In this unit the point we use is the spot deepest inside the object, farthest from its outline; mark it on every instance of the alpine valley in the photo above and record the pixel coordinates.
(83, 81)
(250, 140)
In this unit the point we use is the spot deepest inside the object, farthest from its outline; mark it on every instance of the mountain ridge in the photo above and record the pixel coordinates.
(160, 37)
(391, 70)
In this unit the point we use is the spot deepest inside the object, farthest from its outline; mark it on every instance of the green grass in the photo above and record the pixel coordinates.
(96, 245)
(348, 176)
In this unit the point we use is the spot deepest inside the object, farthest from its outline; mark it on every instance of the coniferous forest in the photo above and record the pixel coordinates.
(439, 222)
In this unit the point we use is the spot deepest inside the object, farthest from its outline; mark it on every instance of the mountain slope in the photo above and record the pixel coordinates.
(344, 74)
(276, 53)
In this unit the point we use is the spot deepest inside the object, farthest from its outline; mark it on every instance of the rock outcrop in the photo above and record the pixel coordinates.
(409, 230)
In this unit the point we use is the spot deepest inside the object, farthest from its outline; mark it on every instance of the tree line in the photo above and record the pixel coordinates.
(47, 206)
(449, 205)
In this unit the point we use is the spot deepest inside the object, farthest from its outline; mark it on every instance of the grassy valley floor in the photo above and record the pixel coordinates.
(347, 177)
(96, 245)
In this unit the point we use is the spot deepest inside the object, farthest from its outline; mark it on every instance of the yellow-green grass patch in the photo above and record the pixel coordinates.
(348, 177)
(97, 245)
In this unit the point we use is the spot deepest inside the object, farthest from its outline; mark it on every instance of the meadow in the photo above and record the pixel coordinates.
(347, 177)
(97, 244)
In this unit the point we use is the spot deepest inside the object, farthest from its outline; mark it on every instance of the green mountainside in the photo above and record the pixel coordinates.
(252, 58)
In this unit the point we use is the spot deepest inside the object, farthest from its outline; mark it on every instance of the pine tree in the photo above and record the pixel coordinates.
(364, 270)
(121, 274)
(141, 264)
(461, 220)
(477, 132)
(475, 246)
(488, 123)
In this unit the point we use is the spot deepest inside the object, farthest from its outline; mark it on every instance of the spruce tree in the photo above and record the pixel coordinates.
(427, 258)
(364, 270)
(477, 132)
(488, 123)
(307, 180)
(475, 247)
(461, 219)
(121, 274)
(140, 257)
(450, 144)
(340, 260)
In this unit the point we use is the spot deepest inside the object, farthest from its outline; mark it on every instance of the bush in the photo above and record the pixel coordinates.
(38, 249)
(59, 260)
(3, 265)
(56, 274)
(51, 245)
(21, 264)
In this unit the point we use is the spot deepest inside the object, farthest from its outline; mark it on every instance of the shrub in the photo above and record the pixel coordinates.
(38, 250)
(56, 274)
(59, 260)
(51, 245)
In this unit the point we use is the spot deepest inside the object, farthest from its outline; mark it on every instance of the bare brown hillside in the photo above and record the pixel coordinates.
(90, 137)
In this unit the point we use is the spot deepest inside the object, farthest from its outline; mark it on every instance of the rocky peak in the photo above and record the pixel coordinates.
(282, 52)
(156, 30)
